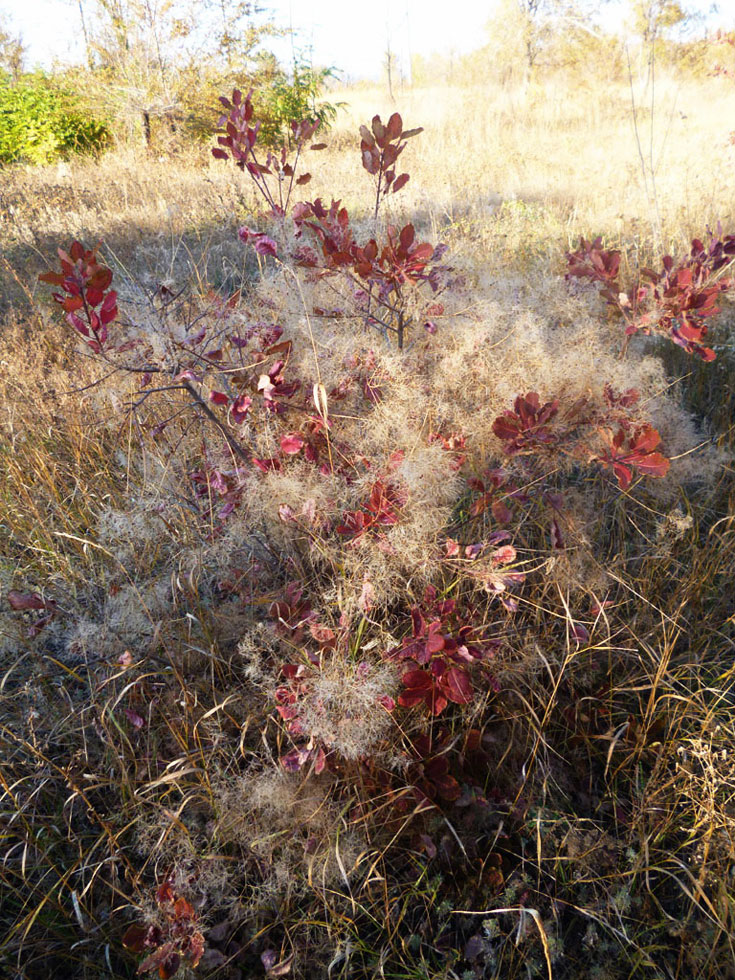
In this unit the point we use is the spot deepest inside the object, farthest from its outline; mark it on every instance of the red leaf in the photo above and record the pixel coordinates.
(295, 759)
(100, 279)
(369, 162)
(457, 685)
(323, 635)
(53, 278)
(504, 555)
(165, 959)
(580, 633)
(134, 718)
(500, 512)
(165, 893)
(282, 968)
(394, 128)
(624, 475)
(265, 246)
(417, 680)
(196, 949)
(557, 538)
(262, 244)
(240, 408)
(647, 441)
(72, 303)
(25, 600)
(435, 640)
(407, 236)
(134, 938)
(183, 909)
(653, 464)
(78, 324)
(447, 787)
(188, 375)
(266, 465)
(292, 443)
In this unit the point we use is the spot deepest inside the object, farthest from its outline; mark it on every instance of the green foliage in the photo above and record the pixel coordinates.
(40, 122)
(294, 96)
(278, 96)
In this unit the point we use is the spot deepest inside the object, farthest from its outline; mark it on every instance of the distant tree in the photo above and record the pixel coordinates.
(157, 56)
(653, 19)
(12, 53)
(660, 28)
(236, 30)
(524, 32)
(137, 47)
(533, 14)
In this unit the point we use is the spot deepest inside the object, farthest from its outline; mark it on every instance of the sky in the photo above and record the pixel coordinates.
(50, 28)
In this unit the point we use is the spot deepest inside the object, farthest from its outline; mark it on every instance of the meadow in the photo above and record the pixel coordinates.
(325, 657)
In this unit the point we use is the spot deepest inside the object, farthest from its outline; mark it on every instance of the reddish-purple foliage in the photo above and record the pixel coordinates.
(238, 138)
(401, 261)
(380, 146)
(331, 228)
(32, 601)
(674, 302)
(444, 646)
(214, 485)
(636, 450)
(527, 426)
(292, 613)
(496, 492)
(178, 940)
(455, 444)
(484, 563)
(592, 261)
(87, 300)
(273, 387)
(442, 771)
(382, 509)
(381, 271)
(262, 244)
(533, 429)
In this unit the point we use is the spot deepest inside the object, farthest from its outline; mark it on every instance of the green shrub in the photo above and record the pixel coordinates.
(40, 122)
(293, 97)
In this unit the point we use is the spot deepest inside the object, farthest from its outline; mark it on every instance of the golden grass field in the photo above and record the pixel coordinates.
(139, 739)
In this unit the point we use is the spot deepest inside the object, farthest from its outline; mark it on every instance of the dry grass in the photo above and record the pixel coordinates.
(138, 731)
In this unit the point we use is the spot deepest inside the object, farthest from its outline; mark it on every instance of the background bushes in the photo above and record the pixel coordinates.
(41, 122)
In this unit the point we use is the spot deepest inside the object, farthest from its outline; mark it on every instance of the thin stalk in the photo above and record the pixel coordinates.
(231, 441)
(651, 194)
